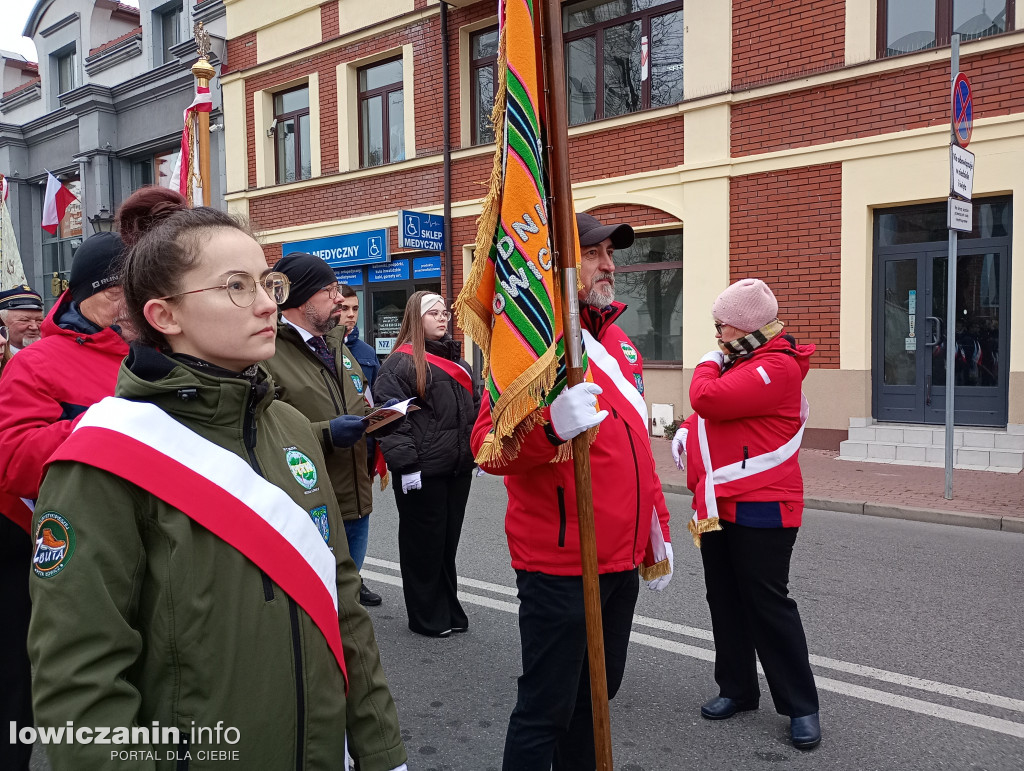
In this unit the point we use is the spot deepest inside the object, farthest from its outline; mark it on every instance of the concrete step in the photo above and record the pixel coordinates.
(966, 457)
(968, 438)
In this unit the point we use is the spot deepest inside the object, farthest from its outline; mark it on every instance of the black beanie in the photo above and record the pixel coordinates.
(96, 265)
(308, 275)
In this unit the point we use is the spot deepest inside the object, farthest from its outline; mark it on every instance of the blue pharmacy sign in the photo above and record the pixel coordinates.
(368, 247)
(417, 230)
(393, 271)
(426, 267)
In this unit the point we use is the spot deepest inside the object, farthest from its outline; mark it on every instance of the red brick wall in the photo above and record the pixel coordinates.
(241, 53)
(633, 214)
(330, 26)
(629, 149)
(785, 229)
(778, 38)
(877, 104)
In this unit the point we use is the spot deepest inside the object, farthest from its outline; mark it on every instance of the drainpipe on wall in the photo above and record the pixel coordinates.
(446, 117)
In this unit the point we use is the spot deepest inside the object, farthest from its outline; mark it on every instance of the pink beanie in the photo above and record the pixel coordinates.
(747, 305)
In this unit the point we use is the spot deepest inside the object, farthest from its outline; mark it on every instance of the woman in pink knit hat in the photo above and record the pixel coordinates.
(741, 447)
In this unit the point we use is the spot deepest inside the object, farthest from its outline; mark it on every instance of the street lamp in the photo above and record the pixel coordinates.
(103, 221)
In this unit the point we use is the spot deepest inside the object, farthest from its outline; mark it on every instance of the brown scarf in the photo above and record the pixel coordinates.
(746, 345)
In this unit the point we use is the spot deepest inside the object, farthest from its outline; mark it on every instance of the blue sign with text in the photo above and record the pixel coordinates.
(365, 248)
(417, 230)
(393, 271)
(426, 267)
(350, 276)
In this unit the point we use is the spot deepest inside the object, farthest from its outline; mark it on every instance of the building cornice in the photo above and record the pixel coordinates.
(67, 20)
(208, 11)
(91, 97)
(111, 57)
(154, 92)
(22, 97)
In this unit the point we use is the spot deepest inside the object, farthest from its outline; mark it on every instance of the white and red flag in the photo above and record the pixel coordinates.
(5, 187)
(55, 204)
(185, 177)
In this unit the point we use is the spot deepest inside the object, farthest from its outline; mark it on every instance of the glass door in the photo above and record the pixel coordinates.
(900, 325)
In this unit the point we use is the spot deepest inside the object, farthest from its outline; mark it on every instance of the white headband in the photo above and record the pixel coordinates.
(428, 301)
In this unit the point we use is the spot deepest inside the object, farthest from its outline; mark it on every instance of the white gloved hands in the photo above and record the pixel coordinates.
(412, 481)
(715, 356)
(572, 412)
(660, 583)
(679, 447)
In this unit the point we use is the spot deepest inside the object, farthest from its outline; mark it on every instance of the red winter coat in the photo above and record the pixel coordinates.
(752, 408)
(541, 520)
(44, 388)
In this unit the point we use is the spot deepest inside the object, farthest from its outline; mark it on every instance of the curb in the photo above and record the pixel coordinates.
(910, 513)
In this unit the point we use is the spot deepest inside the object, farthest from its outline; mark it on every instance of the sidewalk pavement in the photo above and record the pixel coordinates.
(984, 499)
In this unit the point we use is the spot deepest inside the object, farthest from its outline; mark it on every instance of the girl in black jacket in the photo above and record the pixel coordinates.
(431, 460)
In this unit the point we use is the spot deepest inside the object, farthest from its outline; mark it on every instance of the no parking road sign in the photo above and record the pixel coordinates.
(963, 110)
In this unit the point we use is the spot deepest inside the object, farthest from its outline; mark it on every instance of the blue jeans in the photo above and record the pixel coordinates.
(358, 533)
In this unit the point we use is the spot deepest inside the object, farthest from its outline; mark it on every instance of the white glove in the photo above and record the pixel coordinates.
(679, 447)
(412, 481)
(572, 412)
(716, 356)
(660, 583)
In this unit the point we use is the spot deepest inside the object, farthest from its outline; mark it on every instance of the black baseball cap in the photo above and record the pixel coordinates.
(593, 232)
(96, 265)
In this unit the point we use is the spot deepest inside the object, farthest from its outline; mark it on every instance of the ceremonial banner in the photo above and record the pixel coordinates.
(510, 305)
(185, 177)
(12, 272)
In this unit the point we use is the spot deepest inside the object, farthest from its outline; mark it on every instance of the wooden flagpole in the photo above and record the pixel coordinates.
(562, 218)
(203, 72)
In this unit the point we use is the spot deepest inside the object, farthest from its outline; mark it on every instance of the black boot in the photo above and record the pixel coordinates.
(368, 598)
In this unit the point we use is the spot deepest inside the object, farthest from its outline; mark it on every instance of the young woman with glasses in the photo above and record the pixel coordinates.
(431, 460)
(191, 570)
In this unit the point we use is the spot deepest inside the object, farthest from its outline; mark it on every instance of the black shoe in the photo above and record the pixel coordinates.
(806, 731)
(460, 629)
(368, 598)
(445, 633)
(721, 707)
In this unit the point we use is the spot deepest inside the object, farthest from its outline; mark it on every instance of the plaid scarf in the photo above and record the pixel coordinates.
(746, 345)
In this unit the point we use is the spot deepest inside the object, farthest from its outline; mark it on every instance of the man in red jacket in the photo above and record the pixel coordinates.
(45, 388)
(552, 724)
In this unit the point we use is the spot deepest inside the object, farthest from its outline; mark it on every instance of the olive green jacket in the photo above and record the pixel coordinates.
(304, 382)
(153, 618)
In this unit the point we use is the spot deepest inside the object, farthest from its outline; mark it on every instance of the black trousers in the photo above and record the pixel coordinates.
(746, 570)
(429, 527)
(552, 723)
(15, 672)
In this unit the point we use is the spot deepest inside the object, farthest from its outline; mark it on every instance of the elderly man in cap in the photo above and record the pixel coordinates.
(317, 374)
(45, 388)
(552, 724)
(21, 312)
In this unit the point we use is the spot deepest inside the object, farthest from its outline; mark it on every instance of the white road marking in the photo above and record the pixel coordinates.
(838, 686)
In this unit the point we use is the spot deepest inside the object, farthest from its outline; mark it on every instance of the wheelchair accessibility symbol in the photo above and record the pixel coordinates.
(376, 246)
(411, 228)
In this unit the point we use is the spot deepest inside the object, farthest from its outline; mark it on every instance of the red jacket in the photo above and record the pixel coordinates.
(45, 387)
(541, 521)
(752, 408)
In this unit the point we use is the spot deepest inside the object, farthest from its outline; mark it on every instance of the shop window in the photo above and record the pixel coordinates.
(291, 130)
(169, 20)
(381, 114)
(905, 26)
(483, 68)
(155, 169)
(649, 280)
(59, 249)
(604, 45)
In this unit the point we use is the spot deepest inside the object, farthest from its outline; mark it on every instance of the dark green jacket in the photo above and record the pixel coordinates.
(153, 618)
(305, 383)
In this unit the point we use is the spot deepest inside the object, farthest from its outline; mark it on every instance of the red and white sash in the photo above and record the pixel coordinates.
(739, 477)
(18, 510)
(637, 418)
(453, 368)
(142, 444)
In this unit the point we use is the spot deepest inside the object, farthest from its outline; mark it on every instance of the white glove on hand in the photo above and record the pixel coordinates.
(679, 447)
(716, 356)
(412, 481)
(660, 583)
(572, 412)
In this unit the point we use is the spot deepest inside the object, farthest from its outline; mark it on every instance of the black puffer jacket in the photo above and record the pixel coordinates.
(434, 440)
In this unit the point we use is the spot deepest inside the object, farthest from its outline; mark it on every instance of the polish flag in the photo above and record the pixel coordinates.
(58, 199)
(185, 176)
(5, 187)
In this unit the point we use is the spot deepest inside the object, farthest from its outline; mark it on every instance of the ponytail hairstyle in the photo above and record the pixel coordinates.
(412, 332)
(164, 239)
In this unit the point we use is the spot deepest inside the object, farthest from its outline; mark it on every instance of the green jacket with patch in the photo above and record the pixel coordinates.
(304, 382)
(153, 618)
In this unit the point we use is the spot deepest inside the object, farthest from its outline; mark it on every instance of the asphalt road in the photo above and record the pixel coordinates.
(915, 630)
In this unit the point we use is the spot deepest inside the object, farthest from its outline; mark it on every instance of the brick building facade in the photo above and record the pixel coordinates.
(802, 142)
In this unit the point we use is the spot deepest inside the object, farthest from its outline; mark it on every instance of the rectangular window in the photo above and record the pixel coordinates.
(291, 131)
(66, 72)
(649, 280)
(483, 68)
(170, 31)
(155, 170)
(905, 26)
(605, 45)
(381, 114)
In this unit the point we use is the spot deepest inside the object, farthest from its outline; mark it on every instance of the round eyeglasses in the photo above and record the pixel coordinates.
(241, 288)
(439, 315)
(333, 290)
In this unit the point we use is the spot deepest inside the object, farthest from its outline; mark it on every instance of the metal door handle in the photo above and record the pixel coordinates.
(936, 327)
